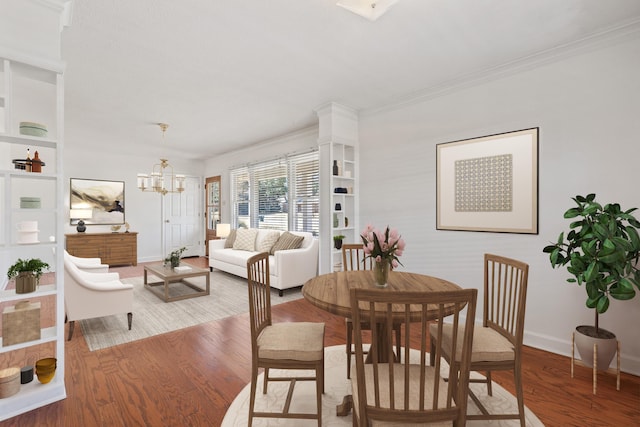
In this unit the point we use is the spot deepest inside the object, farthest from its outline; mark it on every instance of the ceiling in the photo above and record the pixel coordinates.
(228, 74)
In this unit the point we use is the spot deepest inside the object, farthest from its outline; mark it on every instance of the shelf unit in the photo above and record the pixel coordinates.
(343, 220)
(33, 91)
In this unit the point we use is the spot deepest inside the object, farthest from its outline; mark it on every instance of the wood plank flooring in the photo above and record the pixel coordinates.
(190, 377)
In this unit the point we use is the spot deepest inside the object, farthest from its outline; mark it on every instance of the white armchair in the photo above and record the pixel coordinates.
(90, 295)
(91, 265)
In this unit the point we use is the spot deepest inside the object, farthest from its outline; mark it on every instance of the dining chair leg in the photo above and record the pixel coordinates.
(266, 380)
(348, 346)
(252, 398)
(319, 391)
(489, 382)
(519, 394)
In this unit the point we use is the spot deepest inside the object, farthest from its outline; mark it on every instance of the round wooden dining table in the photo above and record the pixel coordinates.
(331, 292)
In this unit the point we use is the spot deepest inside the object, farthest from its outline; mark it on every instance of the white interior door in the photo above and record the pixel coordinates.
(183, 219)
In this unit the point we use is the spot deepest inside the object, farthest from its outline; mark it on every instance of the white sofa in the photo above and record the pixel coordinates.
(288, 268)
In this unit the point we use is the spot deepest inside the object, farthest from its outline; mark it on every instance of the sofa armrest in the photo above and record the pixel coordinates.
(98, 277)
(216, 244)
(296, 266)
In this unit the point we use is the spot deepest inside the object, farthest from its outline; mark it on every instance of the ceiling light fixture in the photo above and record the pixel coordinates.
(370, 9)
(160, 180)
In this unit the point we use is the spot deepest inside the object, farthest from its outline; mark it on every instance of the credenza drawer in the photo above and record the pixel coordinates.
(111, 248)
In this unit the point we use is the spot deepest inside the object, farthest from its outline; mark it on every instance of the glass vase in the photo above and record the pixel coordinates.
(381, 273)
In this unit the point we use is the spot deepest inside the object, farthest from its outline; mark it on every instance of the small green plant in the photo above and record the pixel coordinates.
(33, 265)
(174, 257)
(338, 237)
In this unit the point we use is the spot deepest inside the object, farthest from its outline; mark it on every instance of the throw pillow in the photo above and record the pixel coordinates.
(287, 241)
(266, 240)
(230, 239)
(245, 239)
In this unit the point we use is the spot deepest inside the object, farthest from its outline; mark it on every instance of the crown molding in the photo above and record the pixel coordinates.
(611, 36)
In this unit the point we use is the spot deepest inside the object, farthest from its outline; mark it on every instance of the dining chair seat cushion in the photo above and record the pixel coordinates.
(398, 372)
(488, 345)
(303, 341)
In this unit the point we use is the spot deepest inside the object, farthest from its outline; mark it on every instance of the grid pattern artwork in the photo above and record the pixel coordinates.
(484, 184)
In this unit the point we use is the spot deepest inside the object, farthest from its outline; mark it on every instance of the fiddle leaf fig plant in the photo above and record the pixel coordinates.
(600, 250)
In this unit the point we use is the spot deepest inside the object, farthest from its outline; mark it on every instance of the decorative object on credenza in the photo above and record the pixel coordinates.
(80, 215)
(337, 241)
(27, 273)
(173, 259)
(160, 180)
(384, 247)
(21, 323)
(115, 228)
(126, 227)
(104, 198)
(27, 232)
(488, 183)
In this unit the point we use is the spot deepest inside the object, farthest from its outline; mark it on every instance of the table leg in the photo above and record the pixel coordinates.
(166, 290)
(380, 332)
(343, 409)
(145, 276)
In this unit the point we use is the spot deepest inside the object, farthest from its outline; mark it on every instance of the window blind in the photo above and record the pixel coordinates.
(281, 194)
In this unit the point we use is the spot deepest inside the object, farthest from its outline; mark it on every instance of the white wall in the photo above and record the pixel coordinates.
(587, 108)
(143, 211)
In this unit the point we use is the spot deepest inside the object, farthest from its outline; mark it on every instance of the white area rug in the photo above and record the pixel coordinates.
(336, 387)
(152, 316)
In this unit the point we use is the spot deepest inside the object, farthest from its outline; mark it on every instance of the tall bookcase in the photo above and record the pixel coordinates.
(32, 91)
(338, 146)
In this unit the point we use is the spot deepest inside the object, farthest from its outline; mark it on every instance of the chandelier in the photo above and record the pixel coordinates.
(161, 180)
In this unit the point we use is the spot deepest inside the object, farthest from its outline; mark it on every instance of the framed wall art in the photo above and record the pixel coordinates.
(489, 183)
(102, 200)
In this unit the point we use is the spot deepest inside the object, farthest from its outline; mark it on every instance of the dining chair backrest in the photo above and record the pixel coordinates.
(259, 294)
(354, 257)
(421, 393)
(505, 294)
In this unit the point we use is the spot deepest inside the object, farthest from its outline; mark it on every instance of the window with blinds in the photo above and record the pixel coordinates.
(282, 194)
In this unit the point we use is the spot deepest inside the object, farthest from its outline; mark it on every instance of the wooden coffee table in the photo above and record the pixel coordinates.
(168, 276)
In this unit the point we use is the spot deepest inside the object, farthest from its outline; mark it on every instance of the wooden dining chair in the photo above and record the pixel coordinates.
(409, 391)
(354, 258)
(285, 345)
(497, 344)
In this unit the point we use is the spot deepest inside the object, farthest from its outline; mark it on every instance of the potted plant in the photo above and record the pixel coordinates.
(337, 241)
(173, 258)
(600, 251)
(27, 273)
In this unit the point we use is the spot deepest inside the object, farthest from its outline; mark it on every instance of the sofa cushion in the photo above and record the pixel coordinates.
(287, 241)
(266, 239)
(245, 239)
(233, 256)
(231, 238)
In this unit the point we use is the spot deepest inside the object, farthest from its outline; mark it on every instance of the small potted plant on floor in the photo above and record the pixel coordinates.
(600, 251)
(337, 241)
(27, 273)
(173, 259)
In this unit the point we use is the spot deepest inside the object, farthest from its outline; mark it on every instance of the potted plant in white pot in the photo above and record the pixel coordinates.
(27, 273)
(601, 252)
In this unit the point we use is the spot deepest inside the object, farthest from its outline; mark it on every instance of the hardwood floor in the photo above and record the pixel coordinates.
(190, 377)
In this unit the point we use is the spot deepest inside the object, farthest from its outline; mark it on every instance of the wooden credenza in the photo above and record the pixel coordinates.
(111, 248)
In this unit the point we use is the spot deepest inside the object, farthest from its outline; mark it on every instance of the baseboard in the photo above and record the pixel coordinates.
(628, 363)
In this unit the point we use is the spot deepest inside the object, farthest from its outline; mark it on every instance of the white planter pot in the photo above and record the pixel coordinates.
(607, 346)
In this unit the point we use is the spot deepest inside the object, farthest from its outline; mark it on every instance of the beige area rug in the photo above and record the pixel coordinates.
(152, 316)
(336, 387)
